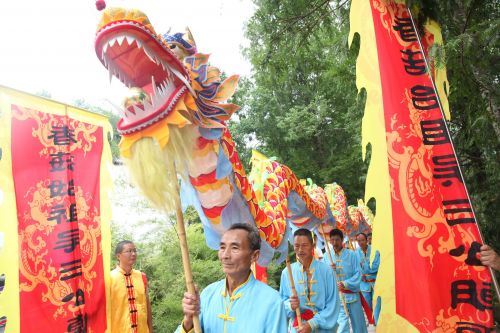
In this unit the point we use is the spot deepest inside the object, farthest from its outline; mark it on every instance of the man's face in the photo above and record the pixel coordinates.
(336, 241)
(235, 254)
(128, 256)
(362, 241)
(303, 248)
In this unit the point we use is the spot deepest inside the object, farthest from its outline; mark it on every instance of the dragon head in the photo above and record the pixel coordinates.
(173, 91)
(170, 83)
(128, 46)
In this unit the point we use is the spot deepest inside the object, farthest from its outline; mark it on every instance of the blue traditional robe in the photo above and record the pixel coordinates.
(368, 273)
(253, 307)
(348, 271)
(317, 293)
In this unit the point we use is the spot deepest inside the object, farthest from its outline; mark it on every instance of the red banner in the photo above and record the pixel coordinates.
(439, 280)
(56, 168)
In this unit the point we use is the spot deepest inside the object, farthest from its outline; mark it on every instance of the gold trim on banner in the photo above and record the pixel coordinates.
(9, 249)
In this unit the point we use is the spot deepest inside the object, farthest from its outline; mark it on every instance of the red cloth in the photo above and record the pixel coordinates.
(364, 304)
(306, 315)
(368, 310)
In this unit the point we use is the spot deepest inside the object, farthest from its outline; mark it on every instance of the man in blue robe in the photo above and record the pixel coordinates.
(368, 270)
(347, 268)
(238, 303)
(317, 298)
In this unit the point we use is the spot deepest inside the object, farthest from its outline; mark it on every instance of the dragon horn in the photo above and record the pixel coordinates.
(190, 37)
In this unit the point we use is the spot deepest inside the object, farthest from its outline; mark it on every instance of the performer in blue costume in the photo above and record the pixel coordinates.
(238, 303)
(317, 299)
(368, 271)
(348, 271)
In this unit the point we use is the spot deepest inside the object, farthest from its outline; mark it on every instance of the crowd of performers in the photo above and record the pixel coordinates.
(327, 293)
(332, 291)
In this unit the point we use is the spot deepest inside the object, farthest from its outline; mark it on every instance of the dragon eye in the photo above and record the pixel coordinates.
(173, 46)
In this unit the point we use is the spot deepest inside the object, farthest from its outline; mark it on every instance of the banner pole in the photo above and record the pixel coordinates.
(294, 291)
(186, 264)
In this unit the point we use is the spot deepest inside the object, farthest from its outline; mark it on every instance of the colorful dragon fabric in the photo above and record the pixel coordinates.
(357, 222)
(350, 219)
(338, 205)
(173, 123)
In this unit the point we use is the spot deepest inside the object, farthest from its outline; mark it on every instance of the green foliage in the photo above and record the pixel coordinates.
(301, 103)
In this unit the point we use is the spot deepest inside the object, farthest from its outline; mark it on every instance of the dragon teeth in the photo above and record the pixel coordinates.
(149, 53)
(161, 91)
(137, 110)
(120, 40)
(110, 71)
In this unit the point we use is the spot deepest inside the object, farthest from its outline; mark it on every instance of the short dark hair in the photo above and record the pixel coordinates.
(304, 232)
(119, 247)
(337, 232)
(362, 233)
(253, 234)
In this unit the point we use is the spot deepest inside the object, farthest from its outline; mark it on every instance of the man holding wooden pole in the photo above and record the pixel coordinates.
(317, 297)
(347, 267)
(238, 303)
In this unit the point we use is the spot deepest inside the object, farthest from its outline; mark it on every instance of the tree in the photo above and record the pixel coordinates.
(301, 103)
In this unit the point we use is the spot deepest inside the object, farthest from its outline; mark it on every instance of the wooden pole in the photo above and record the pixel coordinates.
(342, 299)
(294, 292)
(188, 275)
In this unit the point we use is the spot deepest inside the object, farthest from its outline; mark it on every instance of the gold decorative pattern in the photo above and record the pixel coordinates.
(83, 133)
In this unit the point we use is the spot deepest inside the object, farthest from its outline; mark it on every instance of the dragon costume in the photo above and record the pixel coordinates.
(174, 122)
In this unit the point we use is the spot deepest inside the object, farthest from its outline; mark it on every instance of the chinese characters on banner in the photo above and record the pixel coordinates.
(440, 285)
(56, 154)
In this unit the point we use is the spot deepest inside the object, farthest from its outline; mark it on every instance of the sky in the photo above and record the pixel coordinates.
(49, 45)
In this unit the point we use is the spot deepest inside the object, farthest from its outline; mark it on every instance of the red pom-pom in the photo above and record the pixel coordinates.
(100, 4)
